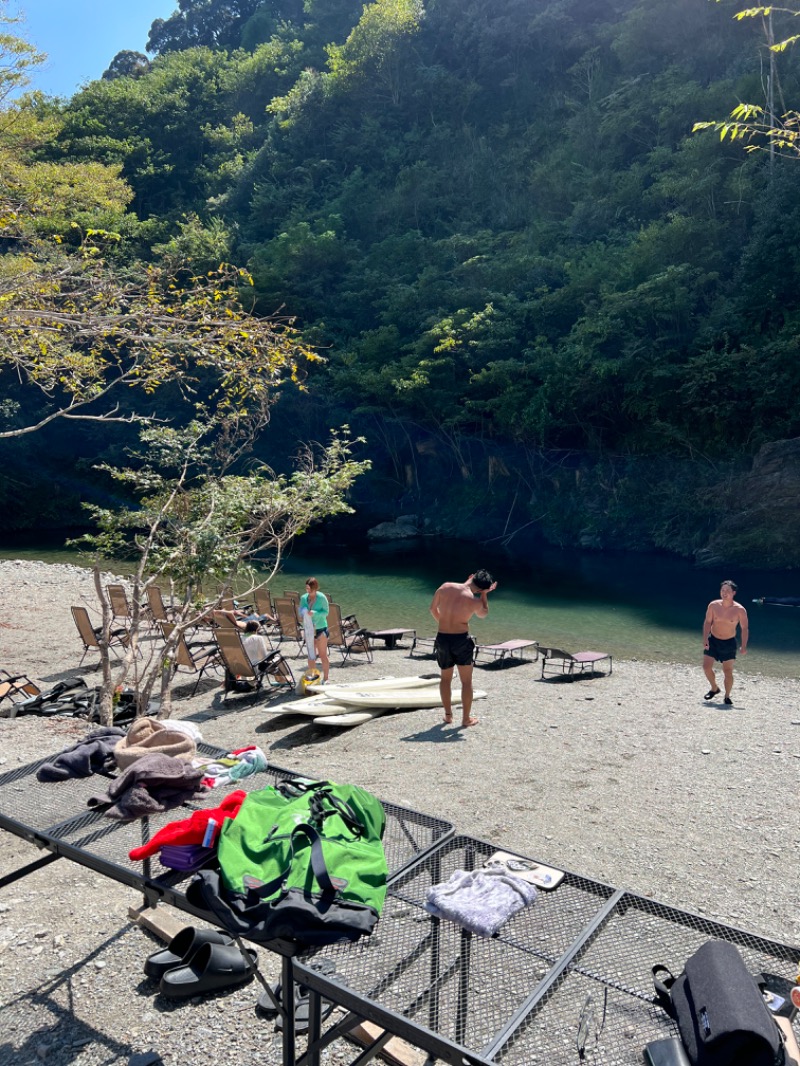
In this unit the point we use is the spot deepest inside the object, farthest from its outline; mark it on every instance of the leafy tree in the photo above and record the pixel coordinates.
(213, 23)
(769, 127)
(126, 64)
(198, 524)
(81, 328)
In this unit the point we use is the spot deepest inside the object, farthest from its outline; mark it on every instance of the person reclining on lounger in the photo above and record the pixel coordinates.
(452, 606)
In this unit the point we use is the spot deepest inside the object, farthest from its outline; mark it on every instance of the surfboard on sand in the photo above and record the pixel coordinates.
(401, 699)
(351, 719)
(424, 681)
(312, 705)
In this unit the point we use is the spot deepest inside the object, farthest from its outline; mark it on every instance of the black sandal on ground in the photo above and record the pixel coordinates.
(712, 693)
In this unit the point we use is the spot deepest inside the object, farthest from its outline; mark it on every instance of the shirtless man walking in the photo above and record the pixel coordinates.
(719, 638)
(452, 607)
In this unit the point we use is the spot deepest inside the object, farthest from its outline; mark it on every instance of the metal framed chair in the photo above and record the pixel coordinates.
(193, 657)
(582, 662)
(288, 623)
(356, 642)
(273, 668)
(92, 635)
(120, 606)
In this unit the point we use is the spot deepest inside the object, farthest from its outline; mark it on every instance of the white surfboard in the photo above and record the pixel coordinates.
(351, 719)
(403, 699)
(311, 705)
(376, 683)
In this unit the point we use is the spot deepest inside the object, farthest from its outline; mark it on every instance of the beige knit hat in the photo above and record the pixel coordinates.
(147, 736)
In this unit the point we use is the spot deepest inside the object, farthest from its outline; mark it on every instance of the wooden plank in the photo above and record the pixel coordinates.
(158, 920)
(397, 1052)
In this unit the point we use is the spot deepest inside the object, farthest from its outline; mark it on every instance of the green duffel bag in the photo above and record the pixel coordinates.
(302, 861)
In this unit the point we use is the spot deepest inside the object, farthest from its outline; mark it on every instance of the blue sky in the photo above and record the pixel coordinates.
(81, 37)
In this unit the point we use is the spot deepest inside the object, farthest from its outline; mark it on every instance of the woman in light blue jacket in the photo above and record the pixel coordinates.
(315, 603)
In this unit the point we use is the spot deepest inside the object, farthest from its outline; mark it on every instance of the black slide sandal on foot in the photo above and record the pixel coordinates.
(728, 701)
(712, 693)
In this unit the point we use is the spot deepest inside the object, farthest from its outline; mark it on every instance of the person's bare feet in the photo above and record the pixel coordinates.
(448, 717)
(469, 721)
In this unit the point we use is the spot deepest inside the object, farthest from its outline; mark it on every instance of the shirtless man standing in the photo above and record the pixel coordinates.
(452, 607)
(719, 638)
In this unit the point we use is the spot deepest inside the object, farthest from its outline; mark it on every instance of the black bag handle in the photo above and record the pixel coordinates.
(663, 980)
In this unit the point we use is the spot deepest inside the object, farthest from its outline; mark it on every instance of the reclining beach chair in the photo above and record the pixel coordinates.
(582, 662)
(264, 605)
(289, 627)
(422, 647)
(92, 635)
(390, 637)
(12, 685)
(120, 607)
(193, 657)
(159, 612)
(503, 654)
(238, 668)
(349, 644)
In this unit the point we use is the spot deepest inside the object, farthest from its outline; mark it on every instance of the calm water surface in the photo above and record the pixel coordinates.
(635, 606)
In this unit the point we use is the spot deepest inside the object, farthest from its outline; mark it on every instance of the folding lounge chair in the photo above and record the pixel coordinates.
(582, 662)
(288, 623)
(390, 637)
(159, 612)
(193, 657)
(264, 605)
(120, 608)
(12, 685)
(92, 635)
(354, 643)
(422, 647)
(502, 654)
(237, 664)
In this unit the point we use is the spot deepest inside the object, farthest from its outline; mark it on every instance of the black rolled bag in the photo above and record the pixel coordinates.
(720, 1011)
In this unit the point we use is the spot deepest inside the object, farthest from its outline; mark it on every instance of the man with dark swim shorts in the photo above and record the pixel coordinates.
(452, 607)
(719, 638)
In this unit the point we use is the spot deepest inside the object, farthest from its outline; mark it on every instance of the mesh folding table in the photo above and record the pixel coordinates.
(567, 979)
(577, 963)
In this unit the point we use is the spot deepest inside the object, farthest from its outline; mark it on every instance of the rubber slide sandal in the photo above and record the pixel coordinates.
(302, 1011)
(214, 967)
(181, 949)
(267, 1008)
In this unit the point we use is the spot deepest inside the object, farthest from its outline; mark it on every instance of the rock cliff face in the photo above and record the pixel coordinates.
(762, 525)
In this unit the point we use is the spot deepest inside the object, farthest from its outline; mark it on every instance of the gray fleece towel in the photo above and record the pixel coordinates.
(480, 900)
(153, 783)
(94, 754)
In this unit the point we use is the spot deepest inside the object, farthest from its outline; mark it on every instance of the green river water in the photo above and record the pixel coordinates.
(634, 606)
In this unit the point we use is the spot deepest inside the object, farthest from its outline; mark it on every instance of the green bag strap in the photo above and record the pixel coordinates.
(318, 866)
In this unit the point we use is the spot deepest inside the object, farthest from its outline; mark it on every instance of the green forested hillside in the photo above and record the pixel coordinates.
(495, 222)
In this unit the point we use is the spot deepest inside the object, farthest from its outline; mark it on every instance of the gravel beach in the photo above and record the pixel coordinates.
(630, 779)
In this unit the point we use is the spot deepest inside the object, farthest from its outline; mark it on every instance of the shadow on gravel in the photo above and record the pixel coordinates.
(64, 1033)
(436, 734)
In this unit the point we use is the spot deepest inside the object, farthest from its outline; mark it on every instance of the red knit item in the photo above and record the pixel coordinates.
(191, 830)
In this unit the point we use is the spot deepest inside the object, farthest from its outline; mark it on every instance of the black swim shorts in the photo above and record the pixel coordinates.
(721, 650)
(453, 649)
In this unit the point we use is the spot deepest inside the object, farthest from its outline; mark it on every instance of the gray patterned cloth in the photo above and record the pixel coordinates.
(480, 900)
